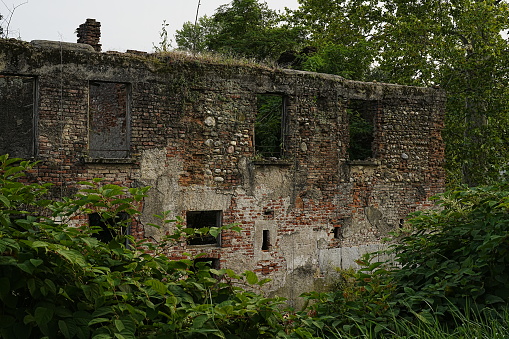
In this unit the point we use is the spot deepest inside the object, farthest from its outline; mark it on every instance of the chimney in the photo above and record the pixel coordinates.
(90, 33)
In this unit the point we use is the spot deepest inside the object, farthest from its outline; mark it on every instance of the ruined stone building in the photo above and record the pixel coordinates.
(316, 169)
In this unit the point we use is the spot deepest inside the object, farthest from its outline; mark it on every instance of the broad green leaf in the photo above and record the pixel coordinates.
(199, 321)
(119, 325)
(97, 321)
(493, 299)
(102, 311)
(251, 277)
(73, 256)
(36, 262)
(157, 286)
(5, 201)
(101, 336)
(62, 325)
(43, 315)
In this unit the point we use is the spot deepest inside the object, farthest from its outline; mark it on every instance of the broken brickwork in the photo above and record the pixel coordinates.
(185, 127)
(90, 33)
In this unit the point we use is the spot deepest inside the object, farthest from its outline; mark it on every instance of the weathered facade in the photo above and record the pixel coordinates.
(187, 127)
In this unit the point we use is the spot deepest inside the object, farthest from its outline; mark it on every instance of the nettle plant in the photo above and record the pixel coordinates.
(60, 281)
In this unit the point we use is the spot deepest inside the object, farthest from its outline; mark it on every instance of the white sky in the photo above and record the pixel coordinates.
(125, 24)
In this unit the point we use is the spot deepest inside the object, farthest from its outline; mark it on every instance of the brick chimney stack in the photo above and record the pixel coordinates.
(90, 33)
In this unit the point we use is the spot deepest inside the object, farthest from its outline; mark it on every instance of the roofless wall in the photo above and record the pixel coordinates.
(315, 168)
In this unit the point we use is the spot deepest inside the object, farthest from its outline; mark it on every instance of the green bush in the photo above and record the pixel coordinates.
(60, 281)
(453, 260)
(459, 254)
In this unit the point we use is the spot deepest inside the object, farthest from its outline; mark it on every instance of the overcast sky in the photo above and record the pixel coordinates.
(125, 24)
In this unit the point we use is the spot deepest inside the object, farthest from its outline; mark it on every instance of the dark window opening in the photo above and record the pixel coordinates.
(110, 227)
(337, 233)
(270, 125)
(17, 112)
(200, 220)
(210, 262)
(269, 213)
(108, 120)
(361, 116)
(401, 223)
(266, 240)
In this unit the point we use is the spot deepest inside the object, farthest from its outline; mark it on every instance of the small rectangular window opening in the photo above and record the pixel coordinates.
(361, 117)
(202, 219)
(210, 262)
(265, 240)
(108, 120)
(337, 233)
(17, 115)
(401, 223)
(110, 227)
(270, 125)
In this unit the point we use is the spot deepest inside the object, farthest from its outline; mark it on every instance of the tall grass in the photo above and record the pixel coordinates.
(484, 324)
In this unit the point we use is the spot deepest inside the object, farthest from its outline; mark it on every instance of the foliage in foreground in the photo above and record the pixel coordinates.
(453, 262)
(59, 281)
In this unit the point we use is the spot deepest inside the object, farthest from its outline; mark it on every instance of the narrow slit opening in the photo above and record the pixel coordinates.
(265, 240)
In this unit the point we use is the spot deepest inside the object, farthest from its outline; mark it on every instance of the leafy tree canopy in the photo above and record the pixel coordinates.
(245, 28)
(458, 45)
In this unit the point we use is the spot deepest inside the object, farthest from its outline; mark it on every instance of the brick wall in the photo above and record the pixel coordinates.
(90, 33)
(191, 137)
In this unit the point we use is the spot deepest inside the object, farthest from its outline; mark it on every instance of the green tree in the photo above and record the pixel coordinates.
(245, 28)
(458, 45)
(343, 34)
(193, 37)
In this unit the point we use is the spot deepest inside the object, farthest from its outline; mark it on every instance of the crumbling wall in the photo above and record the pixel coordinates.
(186, 128)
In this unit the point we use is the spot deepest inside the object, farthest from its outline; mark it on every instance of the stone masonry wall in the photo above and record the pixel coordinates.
(190, 134)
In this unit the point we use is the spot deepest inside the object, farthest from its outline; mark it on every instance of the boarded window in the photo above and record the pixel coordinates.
(270, 125)
(202, 220)
(361, 115)
(17, 123)
(109, 120)
(110, 227)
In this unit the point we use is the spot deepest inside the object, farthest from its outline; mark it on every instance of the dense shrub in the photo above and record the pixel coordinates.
(453, 260)
(459, 254)
(59, 281)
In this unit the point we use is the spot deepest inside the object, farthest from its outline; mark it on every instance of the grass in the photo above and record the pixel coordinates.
(484, 324)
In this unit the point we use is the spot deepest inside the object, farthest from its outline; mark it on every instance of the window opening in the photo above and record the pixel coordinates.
(200, 220)
(361, 116)
(269, 213)
(266, 240)
(110, 227)
(401, 223)
(17, 112)
(269, 125)
(337, 233)
(210, 262)
(108, 120)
